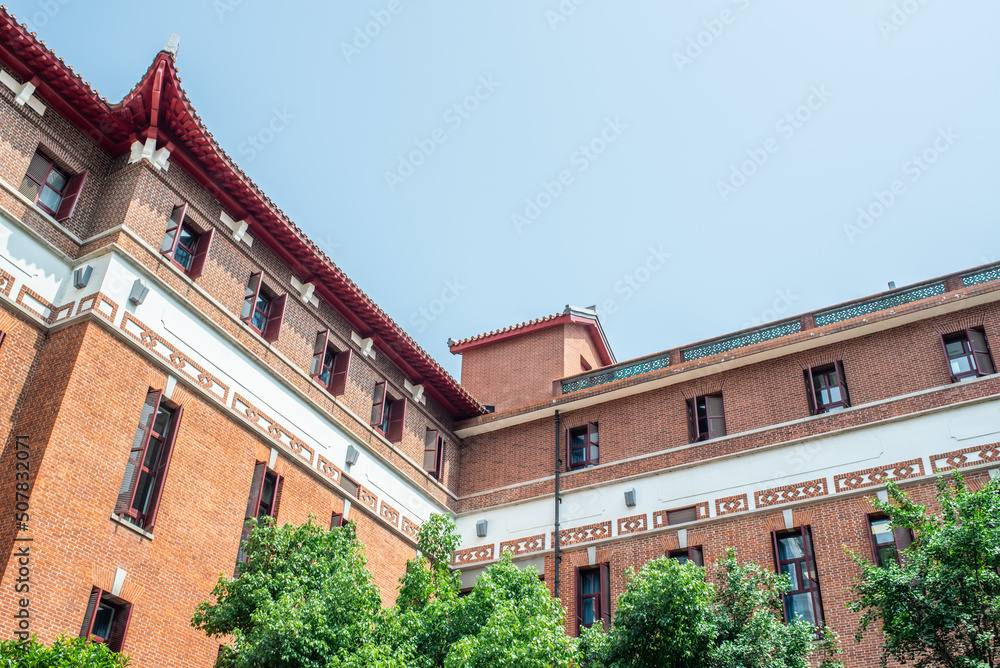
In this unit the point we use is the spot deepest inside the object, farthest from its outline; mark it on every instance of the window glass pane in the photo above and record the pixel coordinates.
(791, 570)
(50, 198)
(717, 427)
(835, 395)
(588, 611)
(680, 556)
(56, 180)
(961, 365)
(820, 380)
(187, 238)
(799, 605)
(881, 532)
(702, 408)
(183, 257)
(703, 426)
(142, 492)
(714, 406)
(984, 364)
(259, 319)
(161, 422)
(152, 453)
(790, 547)
(578, 455)
(591, 582)
(324, 376)
(886, 554)
(430, 459)
(594, 453)
(103, 617)
(578, 438)
(955, 348)
(266, 497)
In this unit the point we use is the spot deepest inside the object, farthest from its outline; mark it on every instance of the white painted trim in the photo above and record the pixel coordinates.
(682, 538)
(238, 227)
(306, 291)
(171, 384)
(120, 575)
(367, 346)
(131, 527)
(789, 520)
(24, 92)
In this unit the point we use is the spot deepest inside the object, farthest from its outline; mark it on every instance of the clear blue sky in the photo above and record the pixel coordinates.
(831, 102)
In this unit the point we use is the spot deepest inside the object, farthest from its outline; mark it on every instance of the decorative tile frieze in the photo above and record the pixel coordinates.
(368, 497)
(525, 545)
(100, 304)
(789, 493)
(167, 352)
(732, 504)
(270, 426)
(584, 534)
(326, 467)
(389, 514)
(960, 459)
(472, 555)
(881, 304)
(742, 341)
(633, 524)
(847, 482)
(35, 303)
(6, 283)
(410, 528)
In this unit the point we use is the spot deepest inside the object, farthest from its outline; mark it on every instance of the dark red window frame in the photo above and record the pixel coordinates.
(601, 575)
(122, 614)
(822, 391)
(388, 414)
(337, 521)
(262, 311)
(330, 368)
(590, 450)
(433, 453)
(264, 500)
(684, 555)
(156, 469)
(196, 251)
(706, 417)
(901, 539)
(975, 351)
(38, 175)
(801, 571)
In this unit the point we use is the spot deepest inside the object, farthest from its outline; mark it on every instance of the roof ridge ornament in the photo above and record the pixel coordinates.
(173, 43)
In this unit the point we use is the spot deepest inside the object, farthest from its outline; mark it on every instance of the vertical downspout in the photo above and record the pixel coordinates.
(558, 501)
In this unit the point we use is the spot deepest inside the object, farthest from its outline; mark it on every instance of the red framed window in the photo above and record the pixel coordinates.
(826, 387)
(582, 446)
(388, 414)
(434, 453)
(263, 501)
(149, 461)
(184, 245)
(350, 486)
(887, 543)
(593, 598)
(706, 418)
(692, 554)
(330, 368)
(968, 354)
(682, 515)
(106, 620)
(336, 521)
(52, 189)
(262, 310)
(794, 558)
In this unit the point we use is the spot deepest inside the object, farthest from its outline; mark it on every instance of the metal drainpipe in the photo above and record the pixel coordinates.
(558, 501)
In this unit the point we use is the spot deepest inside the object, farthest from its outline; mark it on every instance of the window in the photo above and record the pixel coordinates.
(337, 521)
(592, 597)
(329, 367)
(352, 488)
(682, 515)
(968, 355)
(388, 415)
(51, 188)
(582, 446)
(263, 311)
(794, 558)
(433, 453)
(693, 554)
(887, 543)
(184, 245)
(2, 336)
(265, 495)
(706, 418)
(827, 388)
(148, 462)
(106, 620)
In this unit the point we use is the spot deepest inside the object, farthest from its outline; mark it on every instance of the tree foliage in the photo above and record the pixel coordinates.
(941, 605)
(64, 652)
(671, 617)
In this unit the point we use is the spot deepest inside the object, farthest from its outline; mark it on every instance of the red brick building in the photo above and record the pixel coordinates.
(177, 356)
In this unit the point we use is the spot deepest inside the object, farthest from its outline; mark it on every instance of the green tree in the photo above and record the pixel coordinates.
(64, 652)
(941, 605)
(669, 616)
(303, 599)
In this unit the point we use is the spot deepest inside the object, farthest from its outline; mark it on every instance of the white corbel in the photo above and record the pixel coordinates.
(24, 93)
(305, 291)
(416, 391)
(239, 228)
(367, 346)
(160, 158)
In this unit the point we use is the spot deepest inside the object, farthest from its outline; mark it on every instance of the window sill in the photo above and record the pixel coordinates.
(131, 527)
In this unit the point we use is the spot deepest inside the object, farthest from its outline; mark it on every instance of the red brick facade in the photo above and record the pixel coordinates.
(76, 367)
